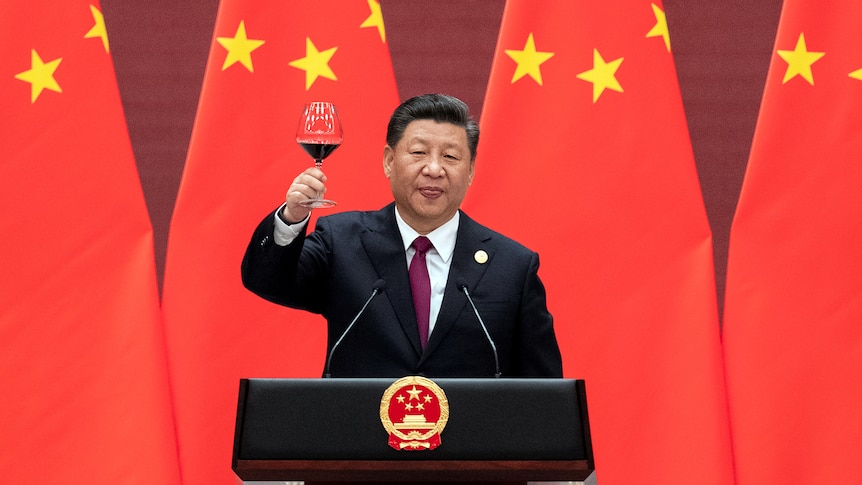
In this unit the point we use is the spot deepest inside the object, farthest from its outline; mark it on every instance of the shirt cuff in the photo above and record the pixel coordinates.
(285, 233)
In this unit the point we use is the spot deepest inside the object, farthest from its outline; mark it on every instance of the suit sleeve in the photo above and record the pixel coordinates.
(268, 269)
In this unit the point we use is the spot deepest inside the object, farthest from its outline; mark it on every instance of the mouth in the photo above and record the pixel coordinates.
(431, 192)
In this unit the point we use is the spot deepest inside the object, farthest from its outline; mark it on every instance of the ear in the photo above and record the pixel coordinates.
(388, 159)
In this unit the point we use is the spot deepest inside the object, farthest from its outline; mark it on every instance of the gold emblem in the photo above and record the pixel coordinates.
(481, 257)
(414, 411)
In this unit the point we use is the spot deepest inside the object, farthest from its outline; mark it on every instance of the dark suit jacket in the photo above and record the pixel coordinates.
(332, 272)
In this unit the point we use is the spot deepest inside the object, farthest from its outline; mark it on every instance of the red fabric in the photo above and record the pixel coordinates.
(242, 158)
(792, 333)
(82, 360)
(602, 184)
(420, 286)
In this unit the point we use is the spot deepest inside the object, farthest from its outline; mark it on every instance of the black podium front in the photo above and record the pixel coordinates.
(498, 430)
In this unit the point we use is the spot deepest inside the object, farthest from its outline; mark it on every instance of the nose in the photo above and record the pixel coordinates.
(434, 167)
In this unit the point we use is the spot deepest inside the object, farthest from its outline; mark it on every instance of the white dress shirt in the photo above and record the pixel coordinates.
(438, 258)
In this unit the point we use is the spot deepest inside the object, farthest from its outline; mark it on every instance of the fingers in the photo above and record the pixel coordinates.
(305, 186)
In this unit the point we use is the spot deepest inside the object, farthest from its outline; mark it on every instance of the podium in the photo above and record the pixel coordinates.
(331, 430)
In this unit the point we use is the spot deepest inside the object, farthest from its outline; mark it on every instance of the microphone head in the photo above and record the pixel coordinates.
(380, 285)
(461, 283)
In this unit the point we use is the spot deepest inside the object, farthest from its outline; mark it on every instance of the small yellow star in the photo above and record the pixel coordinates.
(239, 48)
(529, 60)
(857, 74)
(375, 19)
(98, 29)
(602, 75)
(799, 61)
(40, 75)
(315, 63)
(660, 28)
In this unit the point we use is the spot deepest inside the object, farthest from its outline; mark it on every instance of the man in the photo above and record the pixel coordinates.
(429, 160)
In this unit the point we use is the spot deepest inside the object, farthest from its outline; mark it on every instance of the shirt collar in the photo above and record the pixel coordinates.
(443, 238)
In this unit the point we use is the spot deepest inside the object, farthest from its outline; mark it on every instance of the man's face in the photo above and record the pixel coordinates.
(429, 171)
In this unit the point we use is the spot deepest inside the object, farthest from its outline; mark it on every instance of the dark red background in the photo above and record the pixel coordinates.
(722, 51)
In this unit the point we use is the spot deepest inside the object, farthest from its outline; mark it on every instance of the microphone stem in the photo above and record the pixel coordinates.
(346, 331)
(485, 329)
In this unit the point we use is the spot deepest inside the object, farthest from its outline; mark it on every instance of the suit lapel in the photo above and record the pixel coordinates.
(472, 238)
(384, 246)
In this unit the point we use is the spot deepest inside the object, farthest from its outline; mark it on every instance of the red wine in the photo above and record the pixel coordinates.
(318, 151)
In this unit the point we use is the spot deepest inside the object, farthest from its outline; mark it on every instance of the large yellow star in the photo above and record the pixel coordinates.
(602, 75)
(375, 19)
(98, 29)
(414, 393)
(799, 61)
(857, 74)
(40, 76)
(239, 48)
(529, 60)
(660, 28)
(315, 63)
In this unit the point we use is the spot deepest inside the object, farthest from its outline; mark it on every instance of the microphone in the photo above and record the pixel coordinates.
(462, 285)
(379, 286)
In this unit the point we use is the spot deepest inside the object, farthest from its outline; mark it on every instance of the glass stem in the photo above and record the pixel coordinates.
(318, 162)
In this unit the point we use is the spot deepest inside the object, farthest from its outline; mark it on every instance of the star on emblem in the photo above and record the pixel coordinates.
(414, 393)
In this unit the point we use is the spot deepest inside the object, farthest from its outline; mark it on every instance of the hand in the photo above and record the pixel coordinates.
(305, 186)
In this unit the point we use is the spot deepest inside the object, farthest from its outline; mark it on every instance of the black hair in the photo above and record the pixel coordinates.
(438, 107)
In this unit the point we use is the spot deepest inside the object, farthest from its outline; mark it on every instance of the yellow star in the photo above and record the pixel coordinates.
(799, 61)
(375, 19)
(315, 63)
(414, 393)
(98, 29)
(857, 74)
(40, 76)
(660, 28)
(239, 48)
(602, 75)
(529, 61)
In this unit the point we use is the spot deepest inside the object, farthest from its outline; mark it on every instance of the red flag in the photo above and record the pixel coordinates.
(82, 358)
(793, 313)
(267, 59)
(585, 158)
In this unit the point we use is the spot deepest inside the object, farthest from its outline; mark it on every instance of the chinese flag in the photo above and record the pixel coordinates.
(585, 158)
(82, 360)
(793, 313)
(268, 58)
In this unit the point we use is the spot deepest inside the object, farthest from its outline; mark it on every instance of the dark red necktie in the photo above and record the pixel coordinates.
(420, 284)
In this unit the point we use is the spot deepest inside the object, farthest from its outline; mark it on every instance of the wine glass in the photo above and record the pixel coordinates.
(319, 134)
